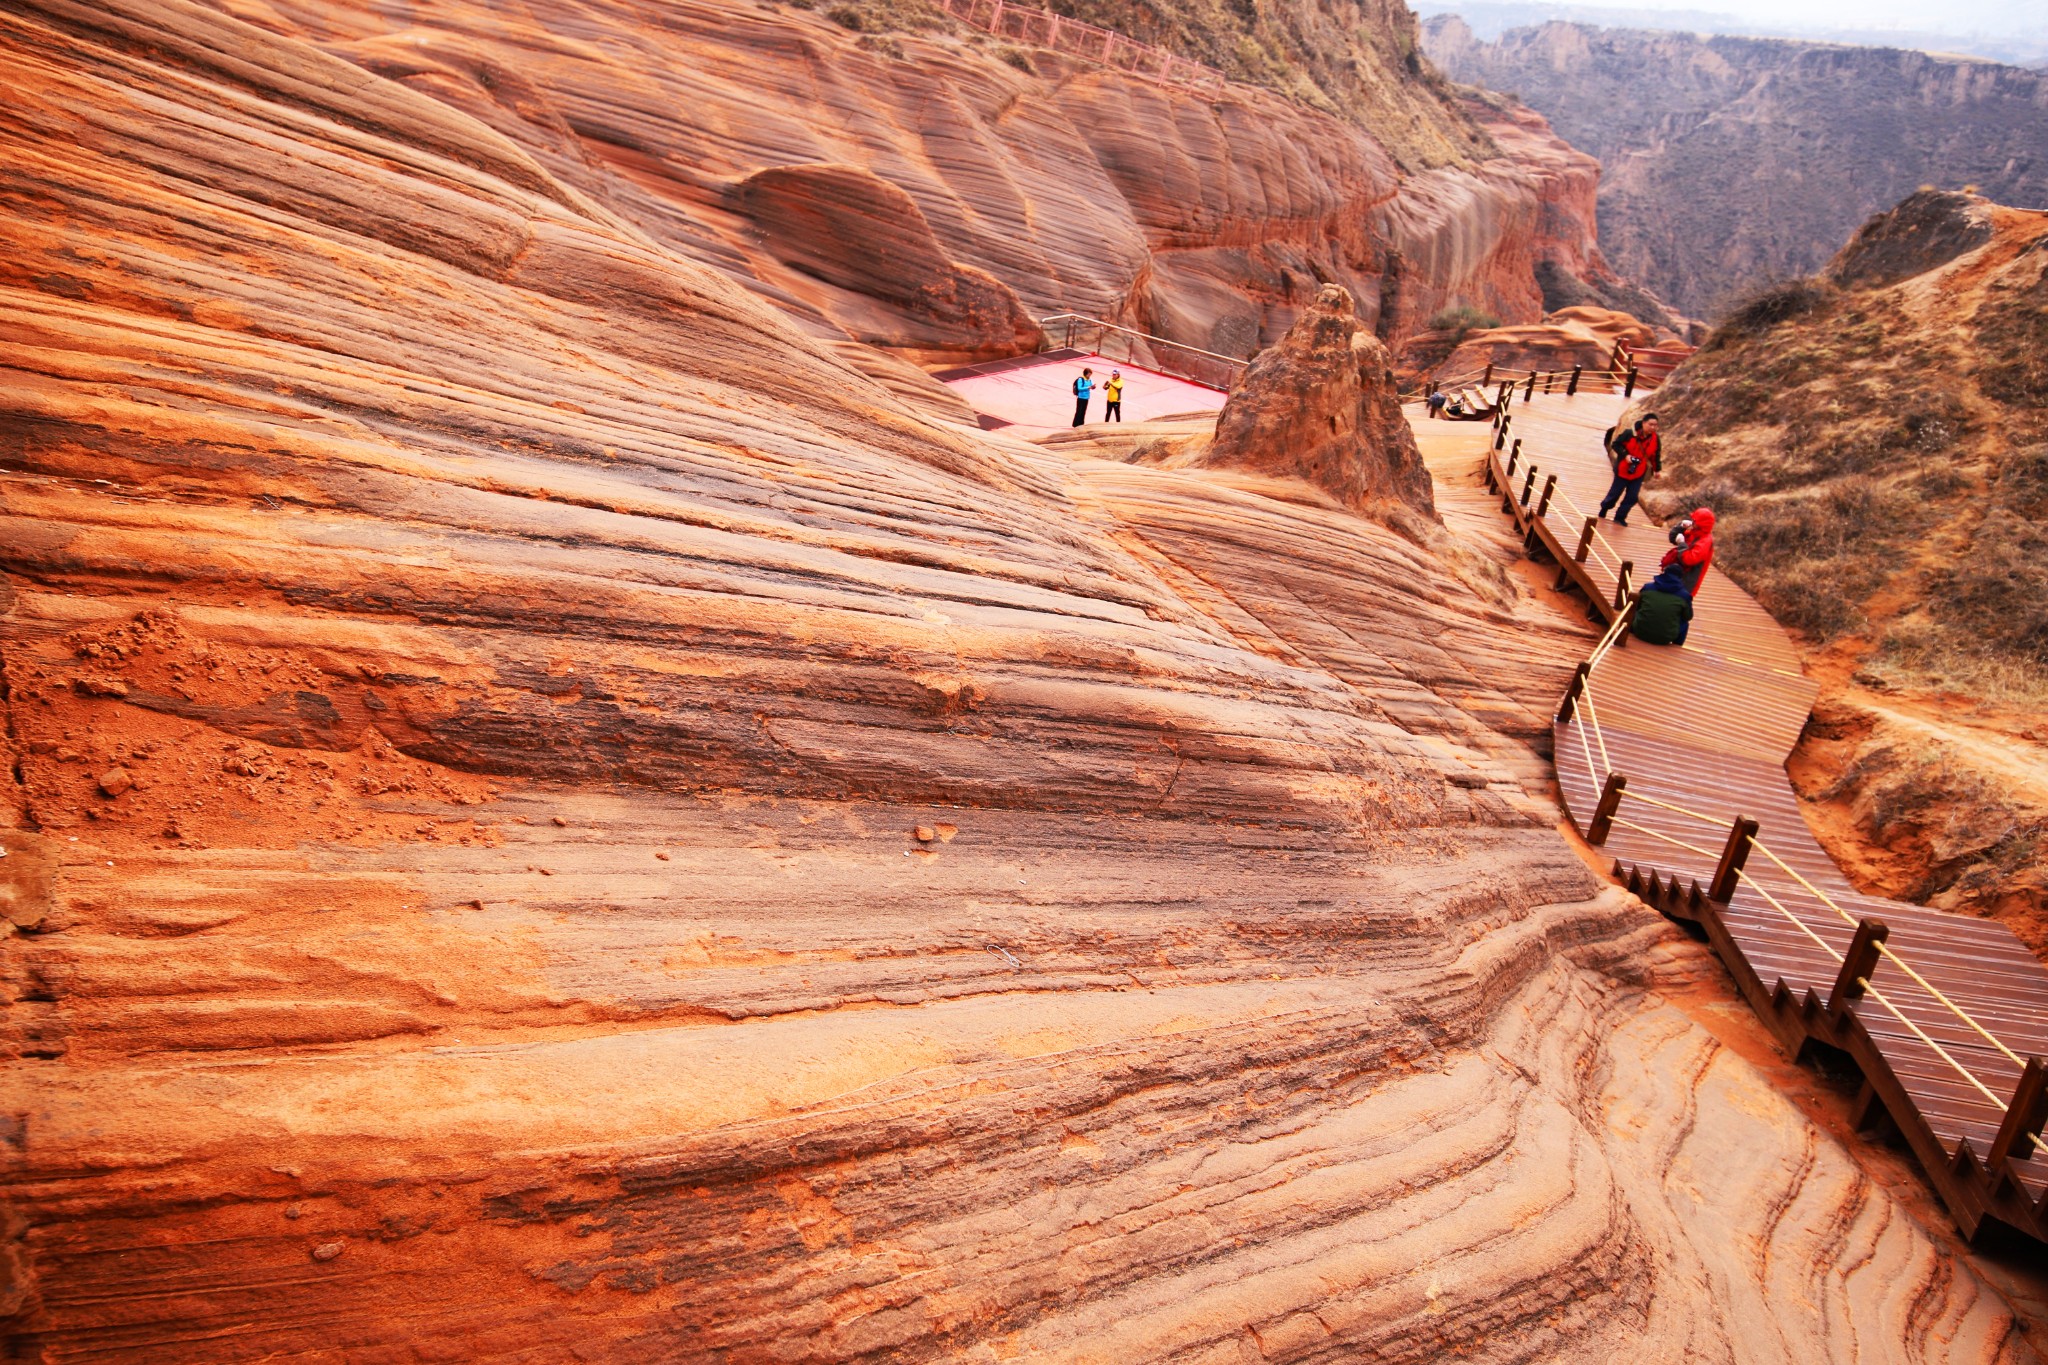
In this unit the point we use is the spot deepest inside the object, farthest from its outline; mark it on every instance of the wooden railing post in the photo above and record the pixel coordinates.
(1585, 541)
(1602, 823)
(1628, 390)
(1570, 705)
(1543, 503)
(2023, 1116)
(1733, 856)
(1486, 378)
(1571, 389)
(1621, 582)
(1500, 437)
(1628, 621)
(1530, 392)
(1857, 965)
(1529, 483)
(1513, 456)
(1507, 392)
(1516, 448)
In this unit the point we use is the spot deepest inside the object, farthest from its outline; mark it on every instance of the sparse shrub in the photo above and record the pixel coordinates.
(1770, 306)
(1462, 320)
(1019, 58)
(1998, 592)
(1940, 481)
(846, 16)
(2012, 337)
(2022, 482)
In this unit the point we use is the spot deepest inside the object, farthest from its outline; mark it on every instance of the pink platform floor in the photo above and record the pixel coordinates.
(1032, 395)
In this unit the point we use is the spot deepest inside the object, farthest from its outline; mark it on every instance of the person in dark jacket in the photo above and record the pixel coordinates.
(1083, 387)
(1692, 550)
(1638, 456)
(1663, 611)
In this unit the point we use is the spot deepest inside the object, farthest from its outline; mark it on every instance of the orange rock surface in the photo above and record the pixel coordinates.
(536, 659)
(775, 146)
(1571, 336)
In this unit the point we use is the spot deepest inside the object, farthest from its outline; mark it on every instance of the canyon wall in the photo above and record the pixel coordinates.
(550, 814)
(1733, 161)
(916, 191)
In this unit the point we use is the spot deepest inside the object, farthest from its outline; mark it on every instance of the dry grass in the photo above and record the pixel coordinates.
(1881, 478)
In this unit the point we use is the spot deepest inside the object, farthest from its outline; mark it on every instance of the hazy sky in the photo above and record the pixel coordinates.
(2018, 18)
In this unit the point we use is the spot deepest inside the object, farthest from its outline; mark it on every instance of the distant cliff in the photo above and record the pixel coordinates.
(1729, 161)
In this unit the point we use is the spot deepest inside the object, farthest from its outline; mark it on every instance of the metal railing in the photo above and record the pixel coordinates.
(1042, 28)
(1111, 341)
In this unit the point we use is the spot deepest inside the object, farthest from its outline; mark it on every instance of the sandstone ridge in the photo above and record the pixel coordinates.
(550, 814)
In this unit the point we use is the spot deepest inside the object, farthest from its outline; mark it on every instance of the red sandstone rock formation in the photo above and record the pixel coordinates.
(1207, 220)
(1568, 337)
(1321, 406)
(533, 659)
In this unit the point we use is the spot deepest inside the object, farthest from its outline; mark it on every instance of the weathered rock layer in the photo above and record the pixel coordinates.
(553, 817)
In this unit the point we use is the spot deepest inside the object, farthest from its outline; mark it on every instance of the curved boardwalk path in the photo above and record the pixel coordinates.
(1664, 754)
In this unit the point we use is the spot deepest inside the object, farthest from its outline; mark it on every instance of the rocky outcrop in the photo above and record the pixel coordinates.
(890, 281)
(1929, 228)
(640, 844)
(1568, 337)
(1733, 161)
(1321, 406)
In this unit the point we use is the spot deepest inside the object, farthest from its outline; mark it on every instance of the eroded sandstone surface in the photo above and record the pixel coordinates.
(557, 814)
(729, 134)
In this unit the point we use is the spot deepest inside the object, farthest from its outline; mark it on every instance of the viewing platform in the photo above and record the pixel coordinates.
(1034, 394)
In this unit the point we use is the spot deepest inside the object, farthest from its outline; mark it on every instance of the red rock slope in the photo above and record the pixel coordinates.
(552, 819)
(918, 192)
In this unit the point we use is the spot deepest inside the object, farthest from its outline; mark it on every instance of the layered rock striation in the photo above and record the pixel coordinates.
(779, 147)
(552, 814)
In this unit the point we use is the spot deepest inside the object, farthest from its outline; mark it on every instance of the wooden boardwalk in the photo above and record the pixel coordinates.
(1672, 760)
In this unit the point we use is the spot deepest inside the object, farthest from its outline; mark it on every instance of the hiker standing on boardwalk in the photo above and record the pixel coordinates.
(1692, 550)
(1437, 399)
(1113, 397)
(1083, 387)
(1638, 456)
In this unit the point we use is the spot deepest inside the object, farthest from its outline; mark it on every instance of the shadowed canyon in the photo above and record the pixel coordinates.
(1731, 162)
(565, 803)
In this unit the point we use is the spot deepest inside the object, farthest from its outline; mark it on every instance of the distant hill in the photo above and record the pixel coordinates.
(1730, 161)
(2016, 43)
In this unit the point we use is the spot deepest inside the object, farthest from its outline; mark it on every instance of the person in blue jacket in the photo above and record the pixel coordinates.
(1083, 387)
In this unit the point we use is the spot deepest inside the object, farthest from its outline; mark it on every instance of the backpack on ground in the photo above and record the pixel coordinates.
(1660, 616)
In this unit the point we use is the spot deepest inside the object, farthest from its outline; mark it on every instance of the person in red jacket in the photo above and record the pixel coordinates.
(1692, 550)
(1638, 456)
